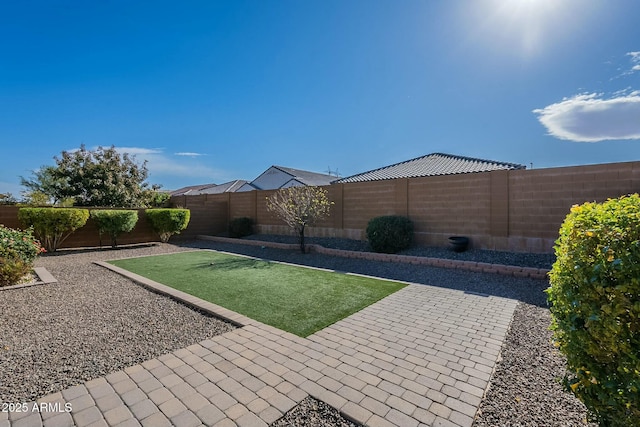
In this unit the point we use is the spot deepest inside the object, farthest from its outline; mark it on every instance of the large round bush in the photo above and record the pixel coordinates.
(53, 225)
(114, 222)
(390, 234)
(240, 227)
(595, 306)
(167, 222)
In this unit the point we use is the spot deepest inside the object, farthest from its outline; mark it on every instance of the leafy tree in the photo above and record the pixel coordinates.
(7, 199)
(156, 199)
(35, 198)
(44, 188)
(300, 207)
(101, 177)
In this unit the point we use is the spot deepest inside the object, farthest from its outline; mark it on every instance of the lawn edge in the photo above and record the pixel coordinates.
(237, 319)
(212, 309)
(291, 264)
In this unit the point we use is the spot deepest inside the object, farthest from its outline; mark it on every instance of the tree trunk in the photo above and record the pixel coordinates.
(302, 239)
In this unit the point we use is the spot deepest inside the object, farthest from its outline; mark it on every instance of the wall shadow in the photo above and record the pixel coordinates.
(527, 290)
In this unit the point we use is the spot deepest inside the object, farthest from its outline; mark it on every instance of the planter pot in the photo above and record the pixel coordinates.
(459, 243)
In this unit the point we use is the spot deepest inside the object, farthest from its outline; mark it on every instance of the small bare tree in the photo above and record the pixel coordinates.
(300, 207)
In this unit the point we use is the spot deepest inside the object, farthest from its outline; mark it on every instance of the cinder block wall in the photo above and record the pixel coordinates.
(9, 216)
(209, 214)
(442, 206)
(541, 198)
(518, 210)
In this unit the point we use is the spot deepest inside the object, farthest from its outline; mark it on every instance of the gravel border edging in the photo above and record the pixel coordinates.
(44, 277)
(91, 323)
(215, 310)
(525, 390)
(482, 267)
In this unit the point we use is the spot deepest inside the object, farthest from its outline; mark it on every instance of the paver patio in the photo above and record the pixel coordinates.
(422, 356)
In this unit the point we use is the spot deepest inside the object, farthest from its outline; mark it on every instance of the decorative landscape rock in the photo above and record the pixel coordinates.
(55, 352)
(313, 413)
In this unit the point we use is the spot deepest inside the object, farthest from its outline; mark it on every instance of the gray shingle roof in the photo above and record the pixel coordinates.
(306, 177)
(429, 165)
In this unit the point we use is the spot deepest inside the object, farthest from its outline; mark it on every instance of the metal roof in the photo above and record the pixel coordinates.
(194, 190)
(191, 189)
(430, 165)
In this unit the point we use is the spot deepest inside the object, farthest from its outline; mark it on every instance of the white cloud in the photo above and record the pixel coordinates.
(183, 167)
(635, 64)
(592, 118)
(189, 154)
(160, 164)
(135, 151)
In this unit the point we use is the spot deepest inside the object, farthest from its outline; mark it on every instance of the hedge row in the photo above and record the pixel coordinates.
(53, 225)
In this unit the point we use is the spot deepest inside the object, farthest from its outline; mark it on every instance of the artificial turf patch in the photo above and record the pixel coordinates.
(295, 299)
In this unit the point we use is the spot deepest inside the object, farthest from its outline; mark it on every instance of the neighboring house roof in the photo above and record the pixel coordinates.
(227, 187)
(430, 165)
(276, 177)
(247, 186)
(193, 190)
(190, 189)
(306, 177)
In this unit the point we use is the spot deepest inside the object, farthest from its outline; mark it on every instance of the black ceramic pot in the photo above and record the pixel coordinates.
(459, 243)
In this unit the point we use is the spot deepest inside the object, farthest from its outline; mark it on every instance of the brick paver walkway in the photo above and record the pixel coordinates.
(422, 356)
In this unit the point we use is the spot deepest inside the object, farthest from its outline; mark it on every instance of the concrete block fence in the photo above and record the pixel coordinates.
(518, 210)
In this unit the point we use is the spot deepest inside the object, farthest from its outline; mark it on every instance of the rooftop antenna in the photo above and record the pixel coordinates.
(332, 172)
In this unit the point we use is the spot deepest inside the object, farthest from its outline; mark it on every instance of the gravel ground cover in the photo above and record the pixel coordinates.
(478, 255)
(524, 390)
(313, 413)
(92, 322)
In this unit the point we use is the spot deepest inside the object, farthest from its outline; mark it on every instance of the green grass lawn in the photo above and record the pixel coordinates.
(295, 299)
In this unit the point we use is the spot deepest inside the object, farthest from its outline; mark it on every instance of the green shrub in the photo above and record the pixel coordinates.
(390, 234)
(167, 222)
(18, 251)
(53, 225)
(157, 199)
(114, 222)
(595, 307)
(12, 269)
(241, 227)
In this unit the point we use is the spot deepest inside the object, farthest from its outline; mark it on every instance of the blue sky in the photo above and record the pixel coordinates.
(211, 91)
